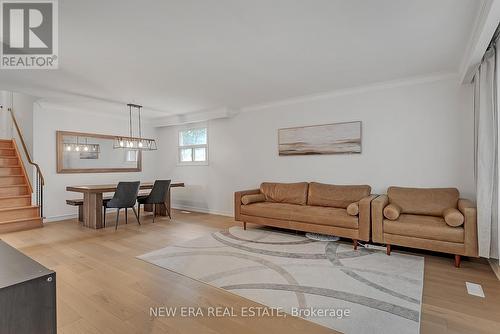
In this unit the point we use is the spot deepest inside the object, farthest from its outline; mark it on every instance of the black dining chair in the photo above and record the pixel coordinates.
(125, 197)
(158, 195)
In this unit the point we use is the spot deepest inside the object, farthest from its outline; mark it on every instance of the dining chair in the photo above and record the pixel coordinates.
(125, 197)
(158, 195)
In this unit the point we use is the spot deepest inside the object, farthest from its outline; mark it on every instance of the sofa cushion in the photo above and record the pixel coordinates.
(292, 193)
(254, 198)
(353, 209)
(392, 211)
(424, 201)
(424, 227)
(269, 210)
(324, 216)
(453, 217)
(334, 195)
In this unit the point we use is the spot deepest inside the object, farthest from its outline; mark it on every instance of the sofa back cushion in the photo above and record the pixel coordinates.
(292, 193)
(423, 201)
(321, 194)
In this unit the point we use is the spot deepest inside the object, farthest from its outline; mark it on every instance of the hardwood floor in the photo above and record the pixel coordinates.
(103, 288)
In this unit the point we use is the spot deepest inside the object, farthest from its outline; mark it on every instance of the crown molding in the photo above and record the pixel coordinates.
(211, 114)
(48, 106)
(194, 117)
(415, 80)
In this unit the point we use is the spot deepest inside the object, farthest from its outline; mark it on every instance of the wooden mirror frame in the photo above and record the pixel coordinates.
(59, 154)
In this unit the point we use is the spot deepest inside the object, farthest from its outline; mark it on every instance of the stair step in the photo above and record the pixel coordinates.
(6, 144)
(21, 212)
(15, 201)
(7, 152)
(20, 224)
(6, 180)
(9, 161)
(4, 171)
(14, 190)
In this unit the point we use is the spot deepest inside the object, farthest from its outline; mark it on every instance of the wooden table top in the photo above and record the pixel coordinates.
(105, 188)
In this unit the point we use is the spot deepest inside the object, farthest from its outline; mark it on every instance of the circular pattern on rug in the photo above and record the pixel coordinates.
(321, 237)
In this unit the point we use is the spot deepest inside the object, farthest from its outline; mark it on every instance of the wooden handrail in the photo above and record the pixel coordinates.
(25, 148)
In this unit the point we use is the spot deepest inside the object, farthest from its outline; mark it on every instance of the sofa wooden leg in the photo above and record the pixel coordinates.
(244, 225)
(355, 243)
(458, 259)
(388, 249)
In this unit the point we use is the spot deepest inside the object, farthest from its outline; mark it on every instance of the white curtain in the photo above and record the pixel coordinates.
(486, 153)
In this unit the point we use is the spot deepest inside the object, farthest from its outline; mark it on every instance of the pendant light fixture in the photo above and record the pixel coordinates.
(79, 147)
(131, 142)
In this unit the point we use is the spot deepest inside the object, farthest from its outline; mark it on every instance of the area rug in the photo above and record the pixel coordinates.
(307, 278)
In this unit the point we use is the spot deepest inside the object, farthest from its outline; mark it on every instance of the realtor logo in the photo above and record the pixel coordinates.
(29, 33)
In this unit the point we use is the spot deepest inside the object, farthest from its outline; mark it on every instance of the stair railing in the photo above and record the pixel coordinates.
(39, 179)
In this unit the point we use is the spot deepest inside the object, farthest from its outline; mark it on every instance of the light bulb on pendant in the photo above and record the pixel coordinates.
(86, 148)
(77, 149)
(68, 148)
(122, 143)
(140, 144)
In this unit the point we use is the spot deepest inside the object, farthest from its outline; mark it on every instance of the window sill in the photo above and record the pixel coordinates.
(193, 163)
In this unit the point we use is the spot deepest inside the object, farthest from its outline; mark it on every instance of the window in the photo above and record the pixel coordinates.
(193, 146)
(131, 156)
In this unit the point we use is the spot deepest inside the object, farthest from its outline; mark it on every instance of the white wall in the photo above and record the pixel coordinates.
(417, 134)
(47, 122)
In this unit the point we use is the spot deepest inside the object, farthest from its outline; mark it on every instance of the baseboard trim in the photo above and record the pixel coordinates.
(495, 265)
(178, 207)
(201, 210)
(59, 218)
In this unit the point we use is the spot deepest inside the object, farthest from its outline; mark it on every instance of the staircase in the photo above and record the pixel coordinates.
(16, 210)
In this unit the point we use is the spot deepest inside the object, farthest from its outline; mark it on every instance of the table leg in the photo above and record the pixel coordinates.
(80, 213)
(92, 210)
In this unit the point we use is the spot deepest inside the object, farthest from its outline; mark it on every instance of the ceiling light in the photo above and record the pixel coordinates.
(131, 142)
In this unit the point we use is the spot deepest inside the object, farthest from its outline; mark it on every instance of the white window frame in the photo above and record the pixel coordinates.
(179, 147)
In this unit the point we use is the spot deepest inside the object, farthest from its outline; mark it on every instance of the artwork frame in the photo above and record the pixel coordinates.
(323, 139)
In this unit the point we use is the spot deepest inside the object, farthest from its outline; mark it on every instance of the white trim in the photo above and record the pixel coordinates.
(179, 147)
(224, 112)
(60, 217)
(116, 114)
(439, 76)
(201, 210)
(194, 117)
(495, 266)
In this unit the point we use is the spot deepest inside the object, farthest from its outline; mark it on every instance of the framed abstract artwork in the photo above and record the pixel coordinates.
(337, 138)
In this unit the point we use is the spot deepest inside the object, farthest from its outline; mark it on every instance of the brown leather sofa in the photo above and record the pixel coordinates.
(343, 211)
(427, 218)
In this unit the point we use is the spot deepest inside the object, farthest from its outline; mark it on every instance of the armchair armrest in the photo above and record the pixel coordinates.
(364, 217)
(237, 201)
(378, 205)
(468, 209)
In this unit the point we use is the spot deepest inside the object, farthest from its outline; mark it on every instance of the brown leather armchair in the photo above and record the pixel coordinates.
(434, 219)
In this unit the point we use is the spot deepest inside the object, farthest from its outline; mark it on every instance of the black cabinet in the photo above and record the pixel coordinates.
(27, 294)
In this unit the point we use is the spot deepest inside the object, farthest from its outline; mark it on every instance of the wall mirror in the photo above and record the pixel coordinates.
(94, 153)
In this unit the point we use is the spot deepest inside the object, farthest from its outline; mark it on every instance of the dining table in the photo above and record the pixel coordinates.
(93, 201)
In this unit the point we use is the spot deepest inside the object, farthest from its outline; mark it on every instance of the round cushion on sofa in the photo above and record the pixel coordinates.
(254, 198)
(353, 209)
(392, 212)
(453, 217)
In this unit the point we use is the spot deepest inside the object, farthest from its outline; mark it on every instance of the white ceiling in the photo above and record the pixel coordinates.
(189, 55)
